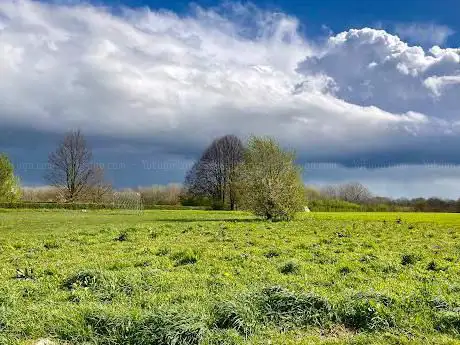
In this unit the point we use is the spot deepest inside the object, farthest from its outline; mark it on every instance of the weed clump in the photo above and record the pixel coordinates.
(153, 234)
(160, 328)
(143, 264)
(187, 257)
(272, 253)
(439, 304)
(3, 321)
(163, 252)
(409, 259)
(367, 258)
(345, 270)
(284, 308)
(433, 266)
(122, 236)
(228, 315)
(51, 245)
(366, 313)
(448, 322)
(290, 267)
(25, 274)
(223, 337)
(85, 279)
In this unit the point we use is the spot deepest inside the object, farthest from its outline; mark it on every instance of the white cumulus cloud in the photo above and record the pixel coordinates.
(373, 67)
(424, 33)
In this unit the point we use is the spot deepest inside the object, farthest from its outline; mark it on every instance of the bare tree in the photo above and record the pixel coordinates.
(71, 169)
(330, 192)
(161, 195)
(97, 188)
(351, 192)
(354, 192)
(312, 193)
(214, 175)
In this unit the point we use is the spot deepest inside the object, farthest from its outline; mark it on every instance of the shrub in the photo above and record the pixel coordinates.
(270, 182)
(9, 183)
(161, 195)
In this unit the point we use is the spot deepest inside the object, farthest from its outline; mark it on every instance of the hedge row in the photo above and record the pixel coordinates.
(88, 206)
(333, 205)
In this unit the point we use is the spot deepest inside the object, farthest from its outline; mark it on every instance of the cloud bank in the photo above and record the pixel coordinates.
(176, 82)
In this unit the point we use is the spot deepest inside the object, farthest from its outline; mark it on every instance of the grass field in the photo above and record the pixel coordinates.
(201, 277)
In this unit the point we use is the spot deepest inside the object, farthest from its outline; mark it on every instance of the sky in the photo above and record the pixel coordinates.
(362, 90)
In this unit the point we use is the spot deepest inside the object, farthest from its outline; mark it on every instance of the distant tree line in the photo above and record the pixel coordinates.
(257, 175)
(354, 196)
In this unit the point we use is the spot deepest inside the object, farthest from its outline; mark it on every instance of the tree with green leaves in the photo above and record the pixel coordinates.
(9, 183)
(270, 182)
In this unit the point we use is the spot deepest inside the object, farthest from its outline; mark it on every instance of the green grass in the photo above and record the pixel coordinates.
(202, 277)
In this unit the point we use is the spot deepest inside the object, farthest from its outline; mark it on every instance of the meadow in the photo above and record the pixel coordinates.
(215, 277)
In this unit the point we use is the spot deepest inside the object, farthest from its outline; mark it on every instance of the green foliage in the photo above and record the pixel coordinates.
(9, 184)
(270, 183)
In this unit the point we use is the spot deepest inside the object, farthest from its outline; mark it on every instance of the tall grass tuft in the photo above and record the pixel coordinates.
(285, 308)
(229, 315)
